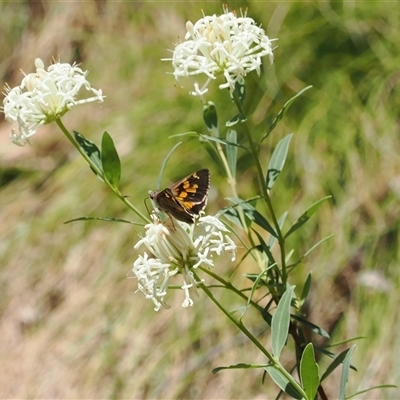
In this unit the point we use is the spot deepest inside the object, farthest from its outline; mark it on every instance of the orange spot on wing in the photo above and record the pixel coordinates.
(182, 194)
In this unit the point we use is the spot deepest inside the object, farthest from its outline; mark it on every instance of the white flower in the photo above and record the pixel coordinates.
(176, 248)
(225, 44)
(43, 97)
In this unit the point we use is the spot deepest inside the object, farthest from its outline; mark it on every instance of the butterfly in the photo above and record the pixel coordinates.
(184, 199)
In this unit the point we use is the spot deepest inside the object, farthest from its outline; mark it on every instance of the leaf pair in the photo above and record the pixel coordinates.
(105, 164)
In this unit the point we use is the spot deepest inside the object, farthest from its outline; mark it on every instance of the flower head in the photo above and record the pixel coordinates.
(43, 97)
(176, 248)
(225, 44)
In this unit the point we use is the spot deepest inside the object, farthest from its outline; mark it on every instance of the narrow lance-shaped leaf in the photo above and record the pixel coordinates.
(309, 372)
(252, 214)
(107, 219)
(337, 360)
(204, 138)
(281, 113)
(345, 374)
(272, 240)
(278, 160)
(213, 153)
(210, 118)
(240, 90)
(266, 248)
(232, 215)
(312, 327)
(222, 141)
(110, 160)
(207, 142)
(306, 289)
(280, 322)
(91, 150)
(190, 134)
(238, 118)
(238, 366)
(306, 216)
(360, 392)
(317, 244)
(282, 382)
(164, 163)
(231, 151)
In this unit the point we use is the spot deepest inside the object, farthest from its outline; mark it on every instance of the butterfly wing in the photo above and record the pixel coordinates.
(185, 199)
(192, 191)
(168, 203)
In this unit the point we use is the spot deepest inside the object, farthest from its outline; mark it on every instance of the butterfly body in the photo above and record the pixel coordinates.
(185, 199)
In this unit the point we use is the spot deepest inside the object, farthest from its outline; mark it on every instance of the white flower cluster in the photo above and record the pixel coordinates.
(43, 97)
(225, 44)
(176, 248)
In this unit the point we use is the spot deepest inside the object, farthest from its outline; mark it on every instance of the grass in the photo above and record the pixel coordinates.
(71, 323)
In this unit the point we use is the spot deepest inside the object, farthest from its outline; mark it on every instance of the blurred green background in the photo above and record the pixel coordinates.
(71, 323)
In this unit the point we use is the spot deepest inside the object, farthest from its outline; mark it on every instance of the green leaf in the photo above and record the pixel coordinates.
(337, 360)
(231, 151)
(107, 219)
(281, 113)
(240, 91)
(345, 373)
(252, 214)
(317, 244)
(256, 283)
(282, 382)
(238, 118)
(203, 137)
(309, 372)
(265, 248)
(213, 153)
(190, 134)
(277, 160)
(372, 388)
(110, 160)
(306, 288)
(342, 342)
(210, 118)
(232, 215)
(222, 141)
(280, 322)
(272, 240)
(238, 366)
(312, 327)
(164, 164)
(266, 316)
(91, 150)
(306, 216)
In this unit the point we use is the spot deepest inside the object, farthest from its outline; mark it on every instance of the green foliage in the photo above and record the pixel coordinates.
(253, 215)
(277, 160)
(346, 144)
(231, 151)
(110, 161)
(280, 322)
(210, 118)
(309, 372)
(345, 374)
(305, 216)
(283, 382)
(281, 113)
(92, 151)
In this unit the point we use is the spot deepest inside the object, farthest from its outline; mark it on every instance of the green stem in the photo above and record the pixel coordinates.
(229, 286)
(234, 320)
(100, 172)
(264, 190)
(274, 361)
